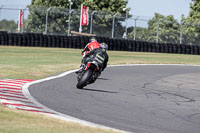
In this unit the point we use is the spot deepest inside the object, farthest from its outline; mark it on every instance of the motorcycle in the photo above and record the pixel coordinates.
(91, 71)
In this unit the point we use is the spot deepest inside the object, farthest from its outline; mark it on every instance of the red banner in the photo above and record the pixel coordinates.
(84, 15)
(21, 18)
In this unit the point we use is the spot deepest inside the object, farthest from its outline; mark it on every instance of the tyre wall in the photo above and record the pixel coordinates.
(79, 42)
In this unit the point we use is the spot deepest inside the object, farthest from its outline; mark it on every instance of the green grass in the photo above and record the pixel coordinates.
(37, 63)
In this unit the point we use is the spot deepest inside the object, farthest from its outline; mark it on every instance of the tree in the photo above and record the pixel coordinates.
(103, 20)
(8, 25)
(37, 20)
(59, 14)
(165, 27)
(191, 24)
(141, 33)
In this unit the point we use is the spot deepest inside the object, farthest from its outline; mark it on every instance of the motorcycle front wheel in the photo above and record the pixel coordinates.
(85, 78)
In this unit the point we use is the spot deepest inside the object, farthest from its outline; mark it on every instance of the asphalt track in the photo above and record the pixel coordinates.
(140, 99)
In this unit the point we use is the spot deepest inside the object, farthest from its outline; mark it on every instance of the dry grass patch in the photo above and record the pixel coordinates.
(16, 121)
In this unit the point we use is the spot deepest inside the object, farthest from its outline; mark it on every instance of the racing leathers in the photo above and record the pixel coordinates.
(89, 47)
(101, 56)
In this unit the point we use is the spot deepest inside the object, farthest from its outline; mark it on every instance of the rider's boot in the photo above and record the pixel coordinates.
(81, 69)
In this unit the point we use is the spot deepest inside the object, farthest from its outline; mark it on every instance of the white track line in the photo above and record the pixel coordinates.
(19, 104)
(10, 86)
(15, 80)
(14, 99)
(11, 93)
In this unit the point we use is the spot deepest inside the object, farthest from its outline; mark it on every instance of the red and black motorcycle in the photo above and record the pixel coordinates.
(91, 71)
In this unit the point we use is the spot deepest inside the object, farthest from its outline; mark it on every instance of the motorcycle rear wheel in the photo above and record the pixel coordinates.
(85, 78)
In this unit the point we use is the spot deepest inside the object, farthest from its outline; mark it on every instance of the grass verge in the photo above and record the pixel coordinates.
(37, 63)
(16, 121)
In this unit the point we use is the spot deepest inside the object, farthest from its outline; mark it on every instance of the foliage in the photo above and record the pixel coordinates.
(191, 29)
(166, 26)
(170, 30)
(8, 25)
(59, 12)
(141, 33)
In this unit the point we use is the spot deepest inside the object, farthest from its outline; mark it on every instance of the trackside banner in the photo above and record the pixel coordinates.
(20, 24)
(83, 17)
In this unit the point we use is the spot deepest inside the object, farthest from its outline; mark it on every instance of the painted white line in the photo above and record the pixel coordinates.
(29, 108)
(11, 94)
(10, 91)
(14, 80)
(17, 103)
(15, 99)
(20, 105)
(10, 86)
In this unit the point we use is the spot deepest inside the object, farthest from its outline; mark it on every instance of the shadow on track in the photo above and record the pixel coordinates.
(95, 90)
(103, 79)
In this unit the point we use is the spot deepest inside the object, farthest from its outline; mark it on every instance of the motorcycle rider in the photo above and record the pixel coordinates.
(85, 53)
(90, 46)
(96, 49)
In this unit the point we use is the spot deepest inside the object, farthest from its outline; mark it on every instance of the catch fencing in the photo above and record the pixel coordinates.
(55, 21)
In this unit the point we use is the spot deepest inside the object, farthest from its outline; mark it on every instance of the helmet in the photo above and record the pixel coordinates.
(93, 39)
(103, 46)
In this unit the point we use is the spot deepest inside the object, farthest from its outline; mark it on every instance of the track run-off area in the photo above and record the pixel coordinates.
(133, 98)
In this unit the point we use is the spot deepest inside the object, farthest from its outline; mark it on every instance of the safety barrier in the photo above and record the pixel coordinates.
(79, 42)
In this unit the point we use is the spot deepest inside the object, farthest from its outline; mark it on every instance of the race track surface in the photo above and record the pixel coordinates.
(140, 99)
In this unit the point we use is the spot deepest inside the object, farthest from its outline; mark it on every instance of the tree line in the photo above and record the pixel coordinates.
(170, 30)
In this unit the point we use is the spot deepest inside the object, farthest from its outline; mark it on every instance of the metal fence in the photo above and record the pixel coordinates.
(62, 21)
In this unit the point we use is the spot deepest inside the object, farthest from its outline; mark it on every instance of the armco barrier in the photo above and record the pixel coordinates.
(79, 42)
